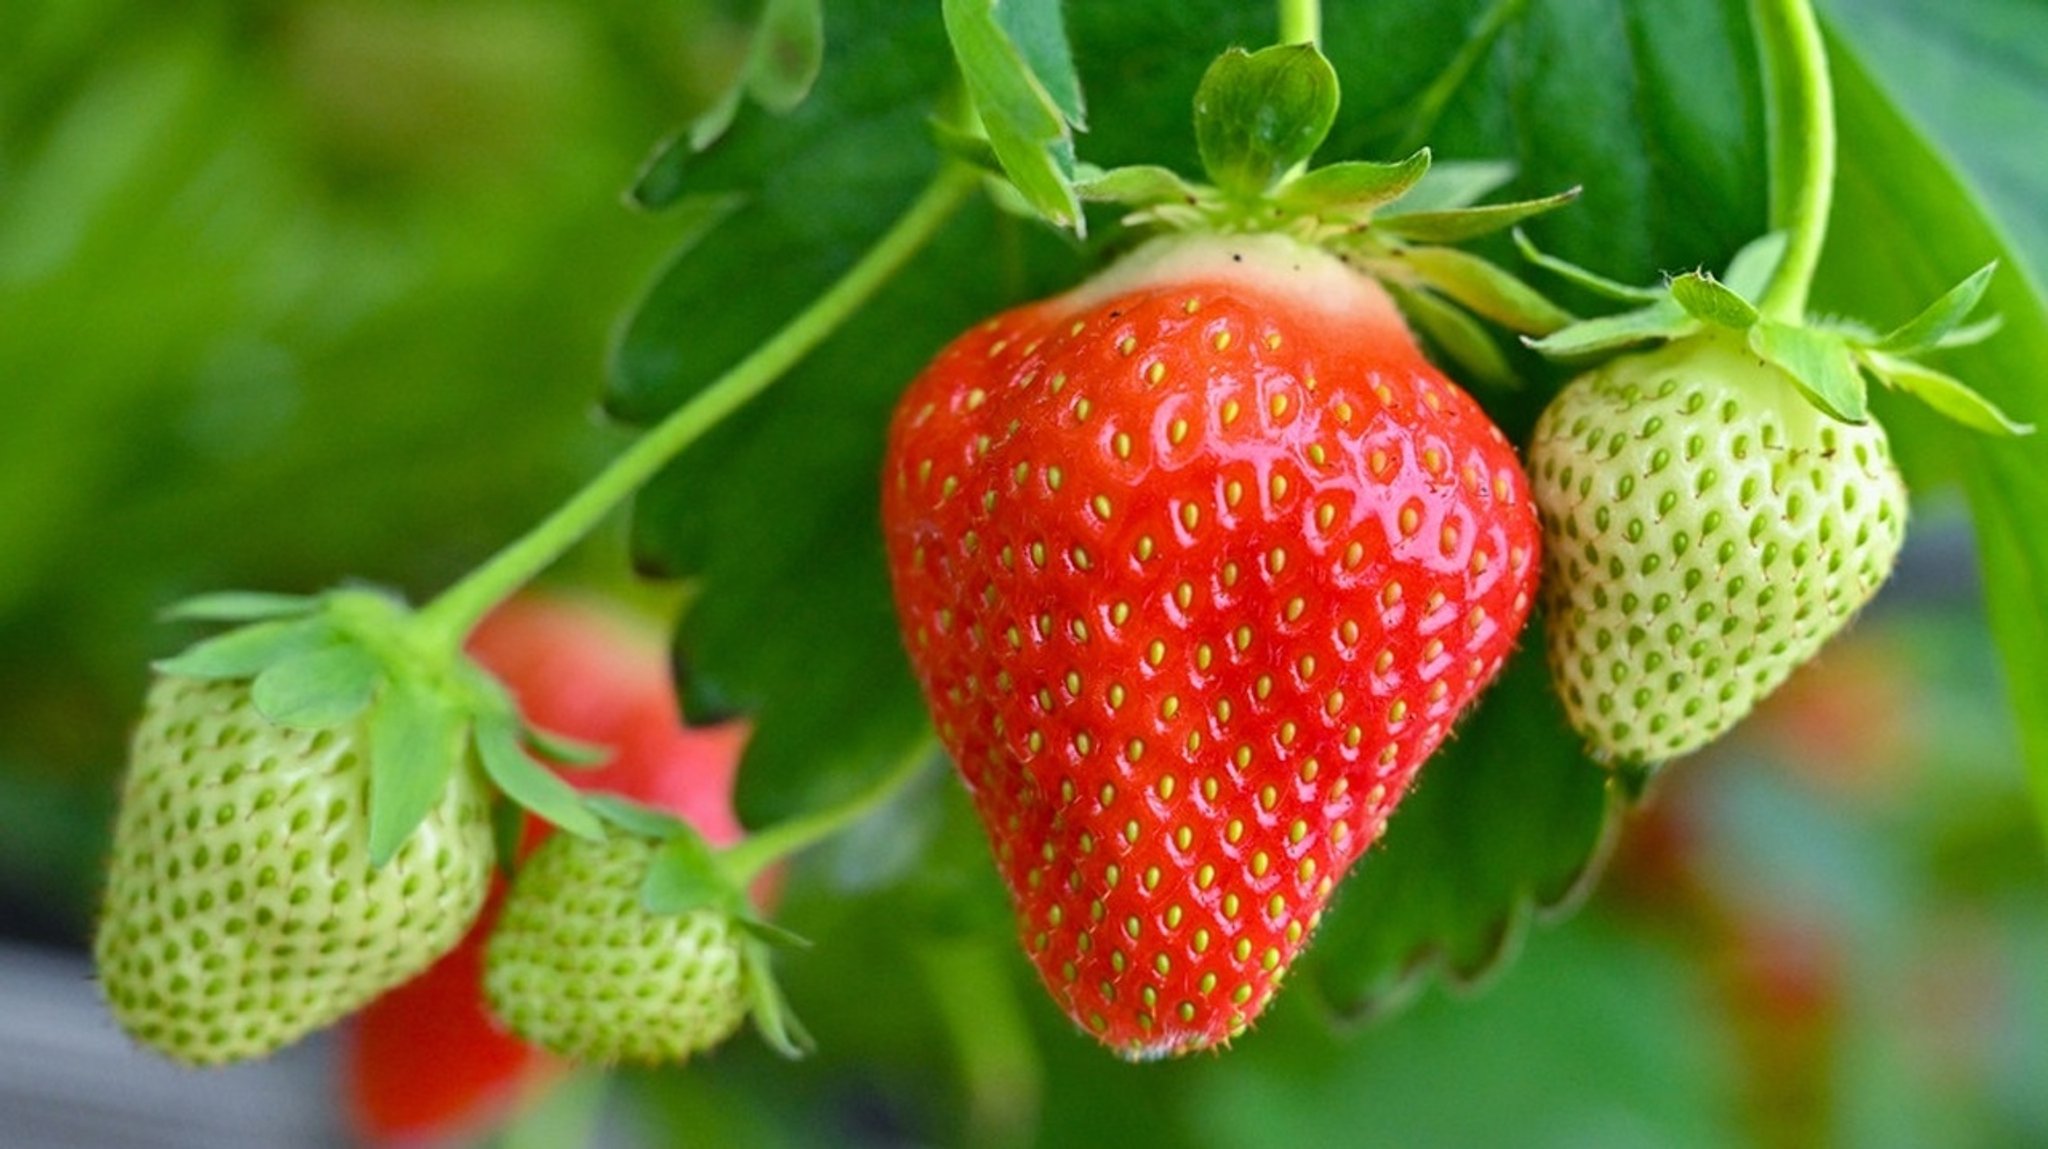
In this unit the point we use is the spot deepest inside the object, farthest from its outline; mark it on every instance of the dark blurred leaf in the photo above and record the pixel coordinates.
(1506, 820)
(1906, 229)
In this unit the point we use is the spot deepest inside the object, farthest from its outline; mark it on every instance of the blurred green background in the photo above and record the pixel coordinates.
(298, 291)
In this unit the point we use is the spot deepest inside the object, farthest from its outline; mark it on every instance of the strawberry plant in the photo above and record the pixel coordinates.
(1287, 617)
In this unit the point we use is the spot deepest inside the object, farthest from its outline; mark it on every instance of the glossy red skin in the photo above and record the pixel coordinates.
(1113, 774)
(427, 1061)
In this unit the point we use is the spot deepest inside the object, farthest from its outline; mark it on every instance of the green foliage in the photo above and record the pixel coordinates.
(774, 512)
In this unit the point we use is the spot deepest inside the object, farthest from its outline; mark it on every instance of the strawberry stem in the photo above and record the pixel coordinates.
(1301, 22)
(448, 619)
(744, 860)
(1799, 112)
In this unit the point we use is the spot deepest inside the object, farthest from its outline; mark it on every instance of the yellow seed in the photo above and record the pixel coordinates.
(1116, 694)
(1177, 431)
(1222, 340)
(1190, 515)
(1278, 486)
(1101, 505)
(1155, 372)
(1278, 405)
(1155, 653)
(1326, 515)
(1121, 444)
(1126, 345)
(1144, 548)
(1354, 555)
(1054, 477)
(1206, 876)
(1184, 594)
(1233, 492)
(1229, 411)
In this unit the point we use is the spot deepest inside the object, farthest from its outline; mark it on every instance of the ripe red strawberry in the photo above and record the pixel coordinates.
(1196, 564)
(427, 1060)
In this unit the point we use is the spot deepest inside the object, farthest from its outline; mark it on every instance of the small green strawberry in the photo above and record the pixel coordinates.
(243, 909)
(1715, 509)
(1708, 529)
(305, 823)
(636, 948)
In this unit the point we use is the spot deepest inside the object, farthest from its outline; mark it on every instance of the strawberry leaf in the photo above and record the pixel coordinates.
(1945, 393)
(1140, 185)
(317, 688)
(1457, 225)
(1484, 289)
(1026, 125)
(246, 652)
(685, 876)
(1258, 115)
(777, 1025)
(1905, 227)
(240, 606)
(1819, 362)
(1579, 277)
(1664, 319)
(1927, 330)
(635, 817)
(1710, 301)
(1353, 189)
(789, 48)
(563, 750)
(530, 784)
(416, 744)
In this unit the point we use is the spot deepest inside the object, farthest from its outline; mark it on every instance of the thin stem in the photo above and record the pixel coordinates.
(756, 852)
(449, 618)
(1799, 112)
(1301, 22)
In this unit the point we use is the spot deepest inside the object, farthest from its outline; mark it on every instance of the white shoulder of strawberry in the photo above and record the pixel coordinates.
(1259, 117)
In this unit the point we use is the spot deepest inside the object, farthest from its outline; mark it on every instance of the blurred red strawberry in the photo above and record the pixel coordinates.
(426, 1062)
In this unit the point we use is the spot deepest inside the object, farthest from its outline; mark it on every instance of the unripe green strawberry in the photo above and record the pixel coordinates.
(1706, 529)
(579, 966)
(242, 910)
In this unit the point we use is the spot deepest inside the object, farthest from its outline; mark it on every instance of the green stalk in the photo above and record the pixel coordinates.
(449, 618)
(1799, 112)
(1301, 22)
(748, 857)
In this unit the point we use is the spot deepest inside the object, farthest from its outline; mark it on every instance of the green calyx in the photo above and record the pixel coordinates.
(354, 655)
(1831, 361)
(1259, 117)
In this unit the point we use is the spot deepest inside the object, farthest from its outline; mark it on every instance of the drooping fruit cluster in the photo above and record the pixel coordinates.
(427, 1061)
(1196, 565)
(243, 909)
(1708, 528)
